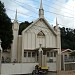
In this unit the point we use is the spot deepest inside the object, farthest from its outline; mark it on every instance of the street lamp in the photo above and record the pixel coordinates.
(0, 56)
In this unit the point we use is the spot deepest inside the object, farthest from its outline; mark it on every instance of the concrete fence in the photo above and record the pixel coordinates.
(22, 68)
(66, 73)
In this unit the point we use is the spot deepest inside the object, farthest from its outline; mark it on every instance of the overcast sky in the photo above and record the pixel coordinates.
(64, 10)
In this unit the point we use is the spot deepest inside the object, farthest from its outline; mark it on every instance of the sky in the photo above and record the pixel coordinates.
(28, 10)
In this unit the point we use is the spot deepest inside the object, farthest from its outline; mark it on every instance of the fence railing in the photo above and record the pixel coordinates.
(69, 59)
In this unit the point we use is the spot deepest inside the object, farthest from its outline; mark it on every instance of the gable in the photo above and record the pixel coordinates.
(66, 50)
(38, 33)
(41, 23)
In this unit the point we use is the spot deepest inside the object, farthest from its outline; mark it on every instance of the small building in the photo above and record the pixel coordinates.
(67, 61)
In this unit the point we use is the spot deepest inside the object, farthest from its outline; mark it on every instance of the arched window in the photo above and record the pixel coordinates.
(41, 39)
(41, 34)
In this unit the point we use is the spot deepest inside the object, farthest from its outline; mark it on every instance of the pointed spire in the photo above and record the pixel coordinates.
(41, 7)
(57, 27)
(15, 23)
(15, 16)
(41, 11)
(56, 22)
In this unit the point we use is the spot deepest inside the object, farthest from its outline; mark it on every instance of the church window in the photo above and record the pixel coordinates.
(29, 54)
(55, 54)
(65, 56)
(33, 54)
(25, 54)
(47, 54)
(40, 34)
(51, 54)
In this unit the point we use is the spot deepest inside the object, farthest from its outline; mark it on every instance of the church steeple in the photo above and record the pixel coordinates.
(14, 47)
(41, 11)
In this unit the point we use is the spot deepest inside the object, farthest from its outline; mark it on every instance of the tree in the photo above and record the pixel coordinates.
(23, 26)
(5, 28)
(67, 38)
(72, 54)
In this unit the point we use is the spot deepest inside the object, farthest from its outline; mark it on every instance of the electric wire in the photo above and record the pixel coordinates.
(59, 5)
(57, 13)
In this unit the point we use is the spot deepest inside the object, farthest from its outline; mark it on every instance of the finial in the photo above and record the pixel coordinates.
(41, 7)
(16, 16)
(57, 27)
(56, 22)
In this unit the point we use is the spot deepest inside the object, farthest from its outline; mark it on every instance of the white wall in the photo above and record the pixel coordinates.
(30, 40)
(30, 37)
(22, 68)
(19, 50)
(14, 46)
(52, 66)
(17, 68)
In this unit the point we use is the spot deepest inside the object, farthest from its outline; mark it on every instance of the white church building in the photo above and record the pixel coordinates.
(25, 48)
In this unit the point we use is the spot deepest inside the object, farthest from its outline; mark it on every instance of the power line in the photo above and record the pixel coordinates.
(59, 5)
(27, 4)
(18, 20)
(23, 14)
(38, 8)
(62, 3)
(41, 26)
(20, 13)
(55, 8)
(29, 15)
(26, 14)
(60, 14)
(33, 16)
(16, 2)
(57, 13)
(52, 13)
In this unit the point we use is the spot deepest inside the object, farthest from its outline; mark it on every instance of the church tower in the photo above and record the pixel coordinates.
(58, 46)
(58, 36)
(41, 11)
(15, 28)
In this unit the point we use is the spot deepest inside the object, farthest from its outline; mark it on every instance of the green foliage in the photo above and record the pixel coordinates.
(5, 28)
(23, 26)
(67, 38)
(72, 54)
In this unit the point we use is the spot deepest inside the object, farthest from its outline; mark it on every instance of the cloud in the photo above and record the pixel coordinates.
(67, 9)
(11, 4)
(28, 8)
